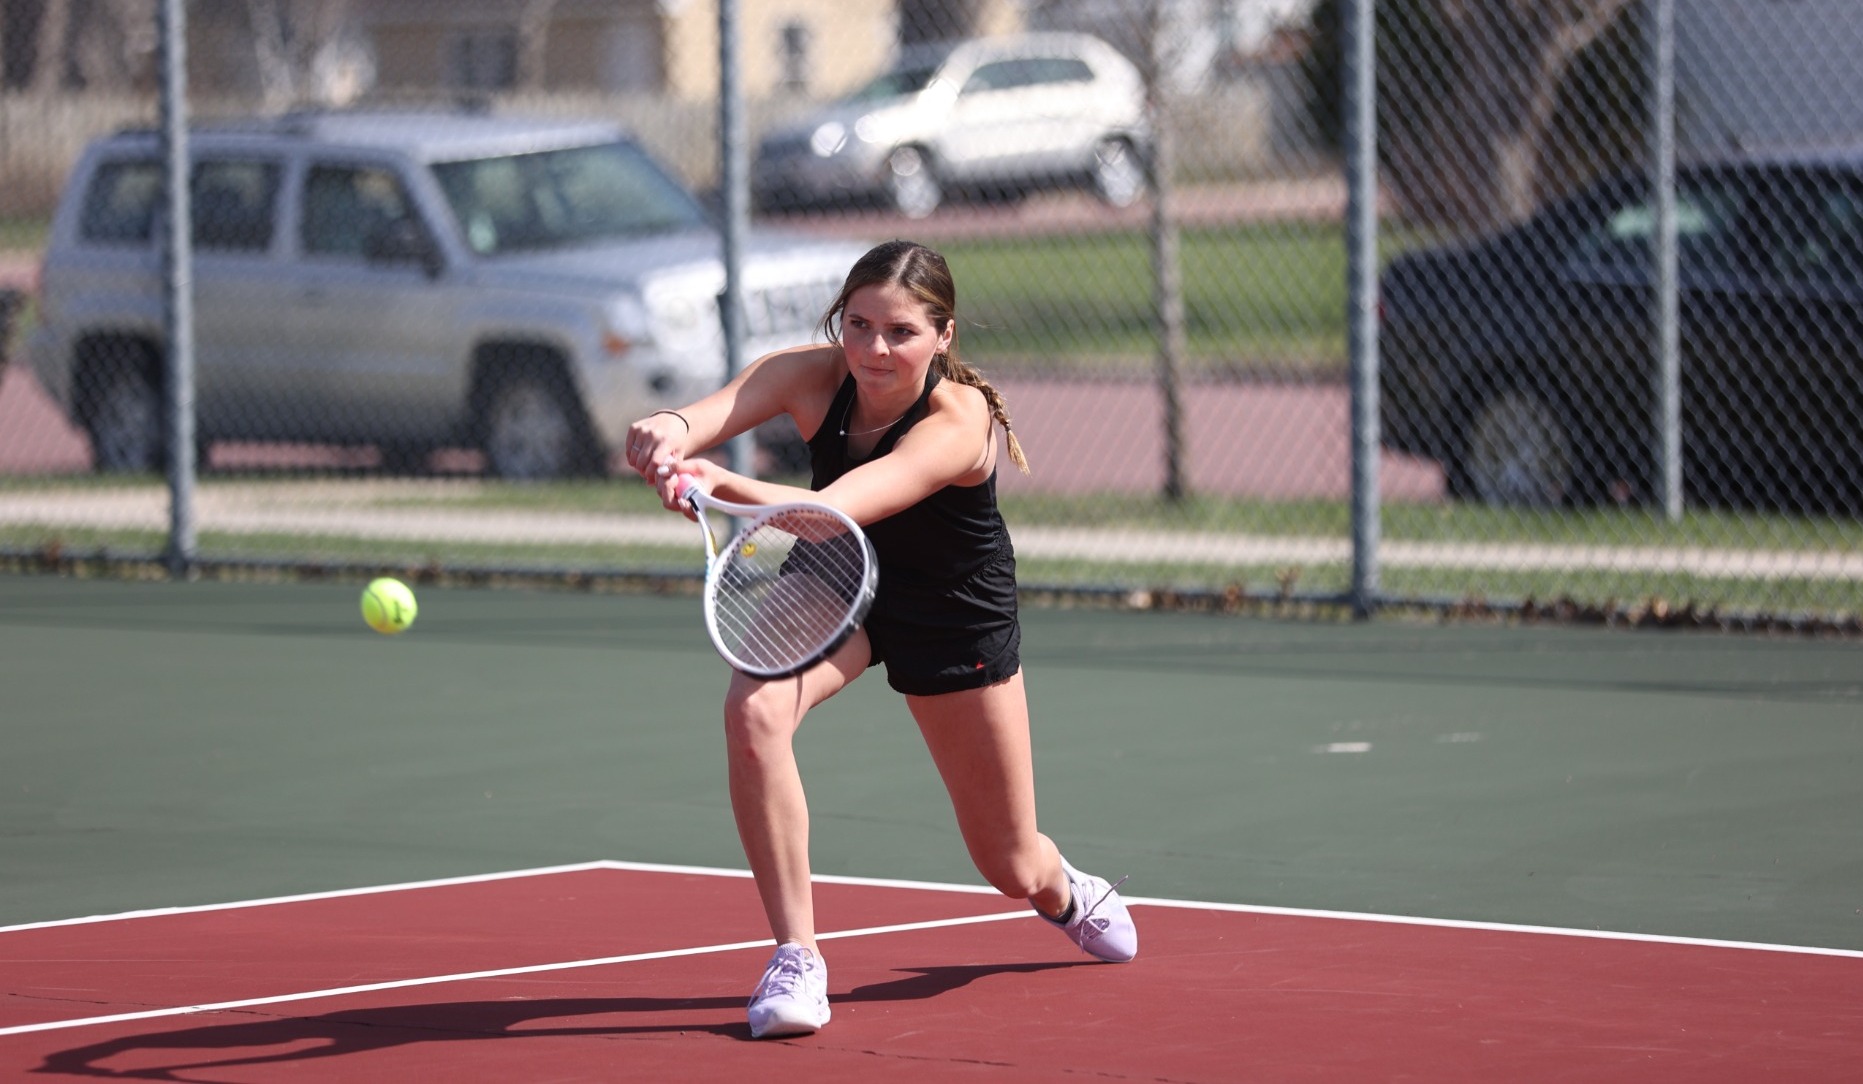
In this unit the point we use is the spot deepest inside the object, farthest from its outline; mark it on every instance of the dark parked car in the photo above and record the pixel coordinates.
(1525, 362)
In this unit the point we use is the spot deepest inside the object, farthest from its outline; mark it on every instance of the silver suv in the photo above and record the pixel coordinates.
(408, 281)
(987, 115)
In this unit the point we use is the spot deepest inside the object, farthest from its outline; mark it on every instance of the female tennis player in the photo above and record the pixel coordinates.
(903, 441)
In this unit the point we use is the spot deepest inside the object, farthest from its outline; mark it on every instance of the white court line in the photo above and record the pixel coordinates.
(498, 973)
(708, 871)
(160, 912)
(1493, 927)
(1301, 912)
(476, 878)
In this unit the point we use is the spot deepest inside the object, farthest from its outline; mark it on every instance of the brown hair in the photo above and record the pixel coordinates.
(924, 274)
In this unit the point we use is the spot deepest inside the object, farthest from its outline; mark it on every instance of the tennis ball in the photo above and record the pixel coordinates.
(388, 606)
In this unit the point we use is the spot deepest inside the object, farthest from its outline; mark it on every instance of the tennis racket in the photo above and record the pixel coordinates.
(791, 586)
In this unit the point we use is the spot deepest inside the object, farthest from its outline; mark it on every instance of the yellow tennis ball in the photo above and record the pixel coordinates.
(388, 606)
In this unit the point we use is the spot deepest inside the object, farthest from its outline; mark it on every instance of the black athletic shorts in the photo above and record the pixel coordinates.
(944, 639)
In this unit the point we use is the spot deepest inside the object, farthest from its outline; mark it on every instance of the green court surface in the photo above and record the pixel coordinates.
(188, 743)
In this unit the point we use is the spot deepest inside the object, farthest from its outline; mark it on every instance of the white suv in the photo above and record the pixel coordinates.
(408, 281)
(986, 115)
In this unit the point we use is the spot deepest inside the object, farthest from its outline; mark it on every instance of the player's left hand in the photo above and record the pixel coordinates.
(653, 443)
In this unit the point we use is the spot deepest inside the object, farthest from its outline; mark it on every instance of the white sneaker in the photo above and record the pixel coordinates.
(792, 999)
(1100, 924)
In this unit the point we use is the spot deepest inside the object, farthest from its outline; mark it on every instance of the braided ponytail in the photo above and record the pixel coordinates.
(924, 272)
(950, 368)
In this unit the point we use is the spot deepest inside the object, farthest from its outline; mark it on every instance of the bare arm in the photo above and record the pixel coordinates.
(951, 446)
(786, 382)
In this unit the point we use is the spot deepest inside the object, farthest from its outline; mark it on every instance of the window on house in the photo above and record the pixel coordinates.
(793, 54)
(484, 59)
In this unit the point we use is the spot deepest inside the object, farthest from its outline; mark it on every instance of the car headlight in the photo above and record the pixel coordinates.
(683, 318)
(827, 140)
(624, 323)
(870, 129)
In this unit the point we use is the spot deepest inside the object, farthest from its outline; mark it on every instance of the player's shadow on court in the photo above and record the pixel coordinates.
(159, 1055)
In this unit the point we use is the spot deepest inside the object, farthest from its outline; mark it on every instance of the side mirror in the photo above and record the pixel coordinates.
(403, 241)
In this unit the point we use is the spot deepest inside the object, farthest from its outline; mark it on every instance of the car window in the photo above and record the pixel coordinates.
(234, 204)
(344, 205)
(554, 199)
(1841, 255)
(1819, 235)
(1059, 69)
(120, 206)
(1712, 234)
(998, 75)
(895, 84)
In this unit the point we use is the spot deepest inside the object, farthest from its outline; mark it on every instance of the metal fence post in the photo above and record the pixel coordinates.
(178, 293)
(1361, 164)
(1661, 30)
(734, 189)
(1167, 274)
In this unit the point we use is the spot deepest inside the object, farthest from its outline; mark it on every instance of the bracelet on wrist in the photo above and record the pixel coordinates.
(675, 414)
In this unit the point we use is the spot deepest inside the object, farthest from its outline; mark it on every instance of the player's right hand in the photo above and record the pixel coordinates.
(700, 473)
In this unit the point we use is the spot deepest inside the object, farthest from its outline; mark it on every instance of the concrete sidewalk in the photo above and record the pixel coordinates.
(414, 511)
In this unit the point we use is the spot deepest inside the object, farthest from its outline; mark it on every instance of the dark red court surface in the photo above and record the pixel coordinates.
(392, 986)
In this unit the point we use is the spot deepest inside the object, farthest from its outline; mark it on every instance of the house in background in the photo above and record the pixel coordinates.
(803, 48)
(1201, 39)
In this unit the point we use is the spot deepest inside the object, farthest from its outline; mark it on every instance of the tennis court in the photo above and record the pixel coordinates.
(245, 839)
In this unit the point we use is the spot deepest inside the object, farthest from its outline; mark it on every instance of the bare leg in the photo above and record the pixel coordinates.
(761, 719)
(979, 739)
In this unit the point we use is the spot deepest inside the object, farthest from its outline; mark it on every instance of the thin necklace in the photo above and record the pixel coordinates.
(849, 413)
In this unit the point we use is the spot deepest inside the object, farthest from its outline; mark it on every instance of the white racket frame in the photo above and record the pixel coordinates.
(702, 502)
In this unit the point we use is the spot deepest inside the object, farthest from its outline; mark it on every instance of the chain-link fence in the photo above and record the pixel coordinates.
(440, 255)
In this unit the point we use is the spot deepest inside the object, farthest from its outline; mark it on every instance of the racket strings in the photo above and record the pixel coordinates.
(789, 589)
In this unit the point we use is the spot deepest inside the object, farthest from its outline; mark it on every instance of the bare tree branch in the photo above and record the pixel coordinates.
(1478, 158)
(290, 39)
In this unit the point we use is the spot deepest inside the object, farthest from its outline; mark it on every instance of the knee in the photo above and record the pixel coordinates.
(758, 722)
(1017, 872)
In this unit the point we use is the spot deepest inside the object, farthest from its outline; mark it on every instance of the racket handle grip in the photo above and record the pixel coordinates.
(683, 486)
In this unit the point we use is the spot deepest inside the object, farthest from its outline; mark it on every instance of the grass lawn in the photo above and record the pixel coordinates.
(1267, 295)
(1266, 298)
(23, 235)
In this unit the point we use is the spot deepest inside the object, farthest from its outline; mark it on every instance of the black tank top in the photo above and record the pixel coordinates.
(940, 541)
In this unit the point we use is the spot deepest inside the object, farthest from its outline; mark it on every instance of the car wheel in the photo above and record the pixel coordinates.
(125, 421)
(532, 428)
(912, 184)
(1517, 454)
(1118, 174)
